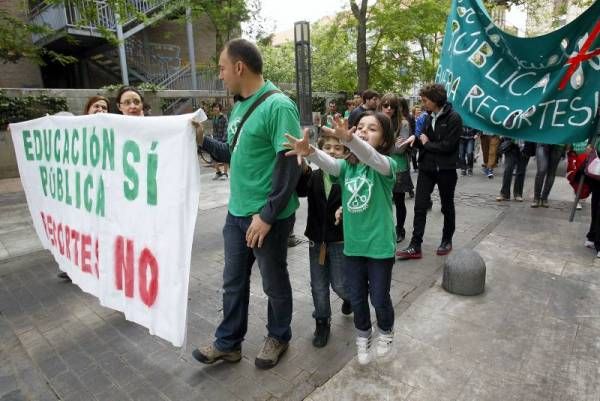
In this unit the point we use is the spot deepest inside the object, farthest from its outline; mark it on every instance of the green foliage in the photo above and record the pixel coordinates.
(143, 87)
(333, 55)
(226, 17)
(411, 33)
(16, 44)
(279, 62)
(404, 39)
(16, 109)
(333, 66)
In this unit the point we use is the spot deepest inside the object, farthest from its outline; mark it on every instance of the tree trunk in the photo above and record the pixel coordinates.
(362, 67)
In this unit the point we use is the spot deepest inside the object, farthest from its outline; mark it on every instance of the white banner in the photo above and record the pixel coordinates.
(115, 199)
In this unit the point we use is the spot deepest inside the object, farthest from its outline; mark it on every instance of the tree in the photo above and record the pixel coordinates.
(278, 61)
(410, 43)
(16, 44)
(403, 40)
(362, 67)
(227, 16)
(333, 62)
(333, 55)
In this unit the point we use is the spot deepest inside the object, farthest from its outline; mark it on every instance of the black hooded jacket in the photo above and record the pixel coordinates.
(441, 152)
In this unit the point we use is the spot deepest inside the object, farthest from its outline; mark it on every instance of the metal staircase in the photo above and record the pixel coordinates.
(67, 18)
(156, 63)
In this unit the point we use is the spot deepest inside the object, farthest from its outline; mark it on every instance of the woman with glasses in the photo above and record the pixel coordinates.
(96, 104)
(403, 126)
(130, 101)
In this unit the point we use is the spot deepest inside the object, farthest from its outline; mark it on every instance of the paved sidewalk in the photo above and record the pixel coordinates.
(533, 335)
(537, 316)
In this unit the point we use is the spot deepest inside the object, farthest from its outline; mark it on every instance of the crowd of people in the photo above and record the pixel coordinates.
(364, 155)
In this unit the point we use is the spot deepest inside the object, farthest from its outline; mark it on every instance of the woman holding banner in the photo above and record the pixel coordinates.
(130, 101)
(96, 104)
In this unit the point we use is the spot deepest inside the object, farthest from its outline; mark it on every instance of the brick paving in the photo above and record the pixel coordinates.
(58, 343)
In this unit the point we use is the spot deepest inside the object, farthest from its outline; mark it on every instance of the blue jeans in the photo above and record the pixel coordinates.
(321, 276)
(547, 158)
(368, 276)
(465, 153)
(272, 262)
(514, 158)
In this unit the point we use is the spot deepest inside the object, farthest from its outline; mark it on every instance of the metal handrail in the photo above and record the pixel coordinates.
(156, 62)
(179, 79)
(58, 16)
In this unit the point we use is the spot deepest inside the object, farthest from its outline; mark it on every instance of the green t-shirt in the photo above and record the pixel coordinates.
(367, 208)
(327, 120)
(401, 160)
(255, 153)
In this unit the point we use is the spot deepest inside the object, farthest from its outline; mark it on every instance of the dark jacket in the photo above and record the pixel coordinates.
(353, 117)
(320, 223)
(441, 152)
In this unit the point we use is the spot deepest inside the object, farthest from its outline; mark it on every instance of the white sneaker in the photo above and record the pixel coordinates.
(363, 349)
(578, 207)
(589, 244)
(384, 343)
(598, 255)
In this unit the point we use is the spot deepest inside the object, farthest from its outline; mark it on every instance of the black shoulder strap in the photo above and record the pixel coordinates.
(256, 103)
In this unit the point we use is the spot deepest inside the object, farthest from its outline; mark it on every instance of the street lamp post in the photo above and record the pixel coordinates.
(303, 71)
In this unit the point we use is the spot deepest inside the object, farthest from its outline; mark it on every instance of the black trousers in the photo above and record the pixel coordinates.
(400, 211)
(594, 231)
(446, 182)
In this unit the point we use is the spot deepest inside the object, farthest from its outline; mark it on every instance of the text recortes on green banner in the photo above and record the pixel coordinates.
(72, 162)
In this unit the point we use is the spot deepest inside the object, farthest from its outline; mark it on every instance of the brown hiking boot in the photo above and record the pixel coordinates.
(211, 354)
(270, 353)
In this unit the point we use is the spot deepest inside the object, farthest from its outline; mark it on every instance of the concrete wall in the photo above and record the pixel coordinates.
(8, 159)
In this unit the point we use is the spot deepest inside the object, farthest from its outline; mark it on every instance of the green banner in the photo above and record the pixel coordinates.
(543, 89)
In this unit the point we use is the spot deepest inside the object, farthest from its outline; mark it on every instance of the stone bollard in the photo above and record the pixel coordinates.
(464, 273)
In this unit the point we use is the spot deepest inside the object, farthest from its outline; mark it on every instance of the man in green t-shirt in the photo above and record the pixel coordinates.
(262, 205)
(327, 118)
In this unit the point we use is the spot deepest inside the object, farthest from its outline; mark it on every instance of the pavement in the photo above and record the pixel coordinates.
(533, 335)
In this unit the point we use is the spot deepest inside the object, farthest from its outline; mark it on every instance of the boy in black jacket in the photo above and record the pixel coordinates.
(438, 156)
(326, 239)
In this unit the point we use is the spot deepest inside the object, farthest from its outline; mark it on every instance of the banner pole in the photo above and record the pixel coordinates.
(576, 201)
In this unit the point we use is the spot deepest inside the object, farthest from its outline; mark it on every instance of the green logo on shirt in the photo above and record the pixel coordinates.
(360, 190)
(232, 129)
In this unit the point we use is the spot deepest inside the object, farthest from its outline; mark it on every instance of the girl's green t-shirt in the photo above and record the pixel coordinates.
(367, 210)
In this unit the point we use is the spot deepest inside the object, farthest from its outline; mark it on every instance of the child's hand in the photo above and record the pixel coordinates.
(299, 147)
(338, 216)
(340, 129)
